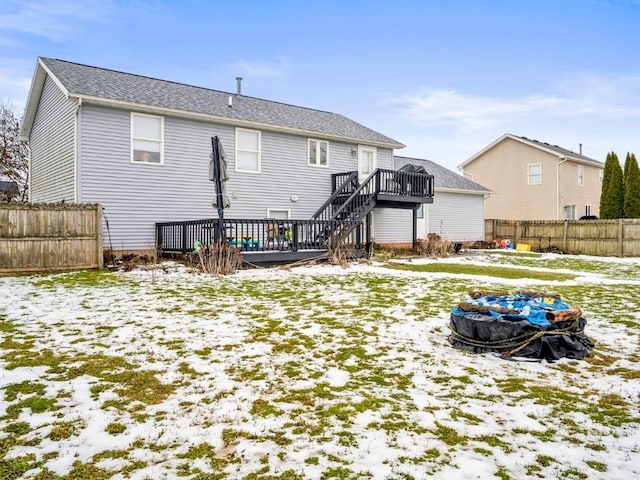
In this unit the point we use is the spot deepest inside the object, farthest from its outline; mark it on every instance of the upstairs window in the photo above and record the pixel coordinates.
(534, 174)
(318, 153)
(248, 150)
(147, 138)
(580, 176)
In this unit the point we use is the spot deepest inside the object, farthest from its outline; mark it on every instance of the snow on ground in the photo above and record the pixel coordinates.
(314, 372)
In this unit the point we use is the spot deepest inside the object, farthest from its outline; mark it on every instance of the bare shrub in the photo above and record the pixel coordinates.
(434, 246)
(218, 258)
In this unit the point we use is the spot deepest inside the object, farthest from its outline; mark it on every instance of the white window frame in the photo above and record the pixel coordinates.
(316, 148)
(270, 212)
(530, 175)
(257, 152)
(160, 140)
(580, 176)
(362, 149)
(570, 212)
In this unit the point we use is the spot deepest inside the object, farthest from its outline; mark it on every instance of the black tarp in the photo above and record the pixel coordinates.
(514, 335)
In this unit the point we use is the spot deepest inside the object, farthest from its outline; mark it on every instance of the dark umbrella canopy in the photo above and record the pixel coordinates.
(219, 176)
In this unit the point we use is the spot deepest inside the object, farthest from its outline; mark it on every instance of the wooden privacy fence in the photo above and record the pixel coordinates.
(41, 237)
(619, 237)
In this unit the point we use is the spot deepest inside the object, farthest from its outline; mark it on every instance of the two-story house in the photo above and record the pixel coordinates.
(141, 148)
(533, 180)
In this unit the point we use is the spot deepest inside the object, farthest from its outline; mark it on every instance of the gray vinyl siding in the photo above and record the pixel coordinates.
(52, 144)
(136, 196)
(392, 225)
(456, 217)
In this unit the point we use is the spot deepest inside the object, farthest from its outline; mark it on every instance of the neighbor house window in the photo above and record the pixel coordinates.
(318, 152)
(580, 176)
(534, 173)
(420, 212)
(147, 138)
(247, 150)
(570, 212)
(600, 175)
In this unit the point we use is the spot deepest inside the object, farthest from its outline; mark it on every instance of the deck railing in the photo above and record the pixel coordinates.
(251, 235)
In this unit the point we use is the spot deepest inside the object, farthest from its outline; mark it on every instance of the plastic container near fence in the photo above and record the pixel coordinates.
(523, 247)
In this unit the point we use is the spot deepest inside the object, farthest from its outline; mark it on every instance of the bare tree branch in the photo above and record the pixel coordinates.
(14, 153)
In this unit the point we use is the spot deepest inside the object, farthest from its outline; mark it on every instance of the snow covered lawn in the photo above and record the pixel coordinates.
(313, 373)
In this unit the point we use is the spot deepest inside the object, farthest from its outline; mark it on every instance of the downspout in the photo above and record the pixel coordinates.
(562, 160)
(76, 151)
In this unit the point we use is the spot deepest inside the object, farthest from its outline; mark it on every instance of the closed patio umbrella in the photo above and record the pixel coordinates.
(218, 175)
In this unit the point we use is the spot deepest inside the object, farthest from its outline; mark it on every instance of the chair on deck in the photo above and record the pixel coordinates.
(275, 235)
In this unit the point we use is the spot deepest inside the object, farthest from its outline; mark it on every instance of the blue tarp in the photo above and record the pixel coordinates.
(534, 310)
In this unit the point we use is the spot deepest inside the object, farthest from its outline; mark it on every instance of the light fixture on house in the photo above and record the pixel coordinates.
(354, 151)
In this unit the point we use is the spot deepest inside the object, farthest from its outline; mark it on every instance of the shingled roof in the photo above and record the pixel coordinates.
(444, 179)
(100, 85)
(547, 147)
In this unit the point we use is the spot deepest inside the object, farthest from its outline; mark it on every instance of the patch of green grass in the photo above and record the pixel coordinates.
(115, 428)
(262, 408)
(573, 474)
(34, 403)
(17, 428)
(483, 270)
(456, 413)
(13, 389)
(83, 278)
(597, 466)
(87, 471)
(449, 435)
(202, 450)
(14, 468)
(64, 430)
(494, 441)
(502, 474)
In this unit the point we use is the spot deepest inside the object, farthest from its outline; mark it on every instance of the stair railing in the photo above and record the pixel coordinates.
(344, 184)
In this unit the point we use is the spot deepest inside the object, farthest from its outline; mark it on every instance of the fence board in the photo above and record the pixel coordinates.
(590, 237)
(40, 237)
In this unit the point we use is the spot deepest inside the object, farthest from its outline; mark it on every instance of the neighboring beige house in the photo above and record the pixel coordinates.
(533, 180)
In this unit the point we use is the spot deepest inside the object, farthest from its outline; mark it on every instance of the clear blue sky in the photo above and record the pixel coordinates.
(446, 78)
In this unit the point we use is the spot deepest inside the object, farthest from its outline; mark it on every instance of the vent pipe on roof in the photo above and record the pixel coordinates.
(580, 149)
(239, 86)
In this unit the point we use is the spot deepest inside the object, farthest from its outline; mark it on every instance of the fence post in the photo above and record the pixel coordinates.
(99, 250)
(564, 236)
(621, 237)
(184, 237)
